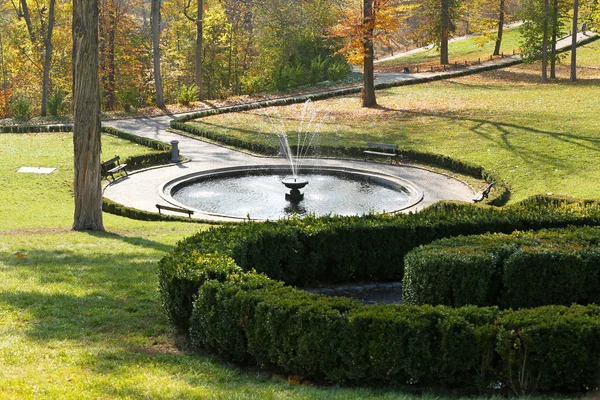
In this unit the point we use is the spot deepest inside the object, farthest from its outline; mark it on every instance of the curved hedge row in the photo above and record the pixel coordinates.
(525, 269)
(250, 318)
(210, 287)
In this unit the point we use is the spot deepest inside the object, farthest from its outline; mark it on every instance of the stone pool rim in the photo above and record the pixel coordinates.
(415, 194)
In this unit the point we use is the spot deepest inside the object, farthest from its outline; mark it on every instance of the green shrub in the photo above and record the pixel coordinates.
(519, 270)
(550, 349)
(21, 107)
(56, 103)
(338, 70)
(289, 76)
(181, 277)
(536, 277)
(317, 70)
(188, 94)
(251, 84)
(128, 97)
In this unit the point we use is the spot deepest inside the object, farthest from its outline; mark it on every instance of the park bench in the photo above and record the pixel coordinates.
(391, 153)
(112, 166)
(175, 209)
(484, 194)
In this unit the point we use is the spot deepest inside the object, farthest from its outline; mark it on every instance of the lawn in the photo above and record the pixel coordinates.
(470, 49)
(80, 315)
(539, 138)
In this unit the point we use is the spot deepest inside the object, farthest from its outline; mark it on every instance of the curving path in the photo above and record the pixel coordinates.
(140, 189)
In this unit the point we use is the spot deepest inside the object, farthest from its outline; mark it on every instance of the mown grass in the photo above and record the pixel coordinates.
(470, 49)
(80, 315)
(539, 138)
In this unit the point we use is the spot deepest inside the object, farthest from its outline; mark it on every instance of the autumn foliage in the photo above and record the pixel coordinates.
(356, 29)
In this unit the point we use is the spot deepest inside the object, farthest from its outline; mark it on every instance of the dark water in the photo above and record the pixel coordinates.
(263, 196)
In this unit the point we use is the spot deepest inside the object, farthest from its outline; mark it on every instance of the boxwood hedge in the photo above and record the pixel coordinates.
(231, 288)
(524, 269)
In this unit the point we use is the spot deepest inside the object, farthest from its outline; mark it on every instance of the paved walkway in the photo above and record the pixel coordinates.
(140, 189)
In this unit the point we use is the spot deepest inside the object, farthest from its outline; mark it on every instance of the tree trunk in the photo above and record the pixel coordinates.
(27, 17)
(545, 44)
(500, 29)
(47, 58)
(86, 117)
(445, 29)
(110, 81)
(554, 37)
(368, 93)
(199, 48)
(574, 41)
(155, 23)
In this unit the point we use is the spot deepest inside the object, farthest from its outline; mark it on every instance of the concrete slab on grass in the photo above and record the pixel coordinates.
(36, 170)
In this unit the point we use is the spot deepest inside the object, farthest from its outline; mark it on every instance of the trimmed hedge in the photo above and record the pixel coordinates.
(520, 270)
(369, 248)
(248, 317)
(35, 128)
(252, 319)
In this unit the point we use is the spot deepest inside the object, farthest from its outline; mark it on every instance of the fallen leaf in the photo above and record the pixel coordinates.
(20, 256)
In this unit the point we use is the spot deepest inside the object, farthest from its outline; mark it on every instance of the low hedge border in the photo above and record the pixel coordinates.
(498, 197)
(524, 269)
(211, 288)
(249, 318)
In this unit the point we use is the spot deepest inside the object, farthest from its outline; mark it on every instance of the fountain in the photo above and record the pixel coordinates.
(336, 187)
(306, 137)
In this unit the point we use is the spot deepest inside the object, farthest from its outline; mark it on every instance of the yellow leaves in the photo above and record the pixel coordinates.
(357, 29)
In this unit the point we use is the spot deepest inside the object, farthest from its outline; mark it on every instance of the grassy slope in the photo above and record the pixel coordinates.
(80, 315)
(540, 138)
(470, 49)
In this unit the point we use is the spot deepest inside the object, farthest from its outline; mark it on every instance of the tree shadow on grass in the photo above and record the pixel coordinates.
(504, 128)
(133, 240)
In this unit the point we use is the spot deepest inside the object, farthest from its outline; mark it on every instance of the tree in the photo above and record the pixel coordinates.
(376, 19)
(438, 22)
(86, 117)
(368, 92)
(46, 28)
(47, 57)
(537, 32)
(198, 20)
(501, 16)
(575, 28)
(155, 22)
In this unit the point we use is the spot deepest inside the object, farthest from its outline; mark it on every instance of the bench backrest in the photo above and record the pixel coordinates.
(108, 163)
(382, 145)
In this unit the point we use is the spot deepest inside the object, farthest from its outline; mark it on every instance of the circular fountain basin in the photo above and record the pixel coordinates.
(257, 192)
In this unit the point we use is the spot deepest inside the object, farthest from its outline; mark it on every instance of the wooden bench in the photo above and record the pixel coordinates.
(175, 209)
(484, 194)
(393, 154)
(112, 166)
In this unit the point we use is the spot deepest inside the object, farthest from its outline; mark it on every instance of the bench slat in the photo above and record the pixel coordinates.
(382, 145)
(372, 145)
(175, 209)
